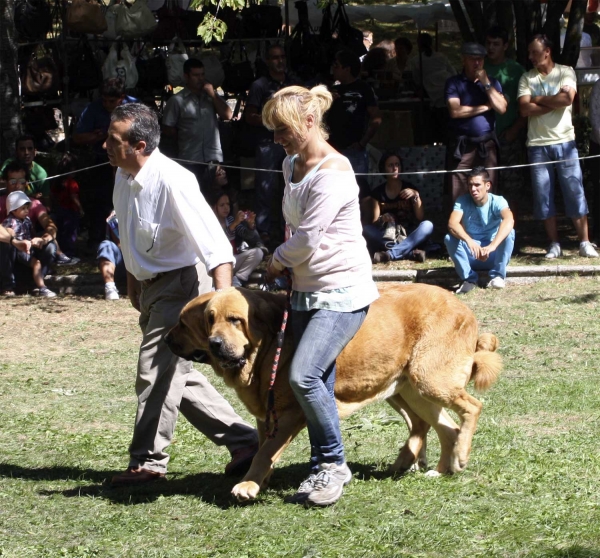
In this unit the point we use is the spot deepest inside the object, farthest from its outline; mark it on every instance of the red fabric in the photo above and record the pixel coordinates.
(63, 194)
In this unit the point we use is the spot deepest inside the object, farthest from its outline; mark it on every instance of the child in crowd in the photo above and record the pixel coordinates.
(110, 258)
(241, 232)
(67, 209)
(21, 227)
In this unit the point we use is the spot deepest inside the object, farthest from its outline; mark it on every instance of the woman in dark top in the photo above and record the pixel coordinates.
(396, 226)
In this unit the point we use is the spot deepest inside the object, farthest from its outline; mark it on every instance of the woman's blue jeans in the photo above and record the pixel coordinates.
(374, 237)
(319, 338)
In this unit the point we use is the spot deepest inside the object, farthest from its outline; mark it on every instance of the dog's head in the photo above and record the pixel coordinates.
(231, 326)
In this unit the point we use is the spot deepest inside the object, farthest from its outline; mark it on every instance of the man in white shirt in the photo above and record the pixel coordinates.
(166, 228)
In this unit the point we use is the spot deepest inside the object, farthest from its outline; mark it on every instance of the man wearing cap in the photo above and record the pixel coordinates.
(546, 95)
(473, 99)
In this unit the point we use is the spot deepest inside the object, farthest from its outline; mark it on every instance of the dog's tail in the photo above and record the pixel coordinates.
(487, 363)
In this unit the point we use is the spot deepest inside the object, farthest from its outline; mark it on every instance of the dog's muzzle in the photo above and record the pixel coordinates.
(197, 355)
(224, 354)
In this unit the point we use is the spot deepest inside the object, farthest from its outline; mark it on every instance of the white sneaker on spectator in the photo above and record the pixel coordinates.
(554, 251)
(111, 292)
(46, 292)
(466, 287)
(496, 283)
(587, 250)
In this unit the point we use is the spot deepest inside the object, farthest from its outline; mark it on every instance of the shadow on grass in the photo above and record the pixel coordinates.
(211, 488)
(569, 552)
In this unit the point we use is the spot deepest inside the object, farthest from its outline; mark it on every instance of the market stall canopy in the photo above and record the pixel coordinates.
(424, 15)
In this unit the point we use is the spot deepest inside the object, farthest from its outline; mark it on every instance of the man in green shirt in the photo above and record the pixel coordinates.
(36, 175)
(510, 126)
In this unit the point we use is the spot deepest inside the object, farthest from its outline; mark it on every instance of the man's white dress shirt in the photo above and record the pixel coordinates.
(165, 222)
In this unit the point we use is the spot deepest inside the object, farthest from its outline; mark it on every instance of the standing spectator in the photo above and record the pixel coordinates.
(239, 230)
(91, 131)
(481, 234)
(190, 117)
(402, 48)
(436, 71)
(473, 99)
(354, 115)
(367, 40)
(269, 155)
(511, 127)
(25, 153)
(110, 259)
(167, 228)
(546, 95)
(594, 164)
(26, 248)
(397, 226)
(15, 176)
(67, 209)
(332, 282)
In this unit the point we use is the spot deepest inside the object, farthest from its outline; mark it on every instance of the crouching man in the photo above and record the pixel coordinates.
(481, 235)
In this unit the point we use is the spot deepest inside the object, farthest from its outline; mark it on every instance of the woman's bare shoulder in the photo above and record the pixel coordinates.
(338, 162)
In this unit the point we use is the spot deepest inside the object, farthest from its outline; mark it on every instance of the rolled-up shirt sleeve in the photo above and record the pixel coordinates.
(200, 226)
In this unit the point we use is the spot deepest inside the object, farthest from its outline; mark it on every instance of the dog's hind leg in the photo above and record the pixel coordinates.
(414, 452)
(290, 423)
(435, 415)
(468, 409)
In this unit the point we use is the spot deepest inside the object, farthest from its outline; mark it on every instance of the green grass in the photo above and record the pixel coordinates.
(531, 488)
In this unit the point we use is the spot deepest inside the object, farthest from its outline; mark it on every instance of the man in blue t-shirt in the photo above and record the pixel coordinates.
(482, 233)
(473, 100)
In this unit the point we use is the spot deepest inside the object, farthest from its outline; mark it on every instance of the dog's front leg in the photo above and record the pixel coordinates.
(268, 454)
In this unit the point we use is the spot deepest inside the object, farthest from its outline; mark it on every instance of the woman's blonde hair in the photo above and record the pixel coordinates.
(291, 106)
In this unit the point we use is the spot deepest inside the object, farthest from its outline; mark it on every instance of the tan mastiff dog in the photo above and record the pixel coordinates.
(417, 349)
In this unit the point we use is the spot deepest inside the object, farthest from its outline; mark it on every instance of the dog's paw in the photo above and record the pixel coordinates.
(244, 491)
(433, 474)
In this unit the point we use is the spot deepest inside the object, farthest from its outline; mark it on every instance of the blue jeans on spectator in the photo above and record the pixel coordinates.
(266, 183)
(374, 236)
(108, 250)
(359, 159)
(467, 266)
(319, 337)
(67, 222)
(10, 257)
(569, 178)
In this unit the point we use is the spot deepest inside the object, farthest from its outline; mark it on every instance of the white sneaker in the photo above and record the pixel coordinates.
(554, 251)
(111, 292)
(304, 490)
(587, 250)
(329, 484)
(466, 287)
(497, 283)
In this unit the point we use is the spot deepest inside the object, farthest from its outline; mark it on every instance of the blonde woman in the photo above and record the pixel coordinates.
(331, 272)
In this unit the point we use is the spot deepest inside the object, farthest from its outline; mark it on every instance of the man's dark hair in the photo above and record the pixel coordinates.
(479, 171)
(403, 42)
(24, 137)
(190, 64)
(112, 87)
(498, 32)
(385, 156)
(14, 166)
(347, 59)
(546, 42)
(144, 124)
(273, 46)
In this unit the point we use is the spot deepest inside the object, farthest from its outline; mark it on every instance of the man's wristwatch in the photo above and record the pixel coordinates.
(488, 86)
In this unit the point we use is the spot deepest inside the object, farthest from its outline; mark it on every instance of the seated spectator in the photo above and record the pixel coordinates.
(214, 179)
(25, 153)
(395, 228)
(241, 231)
(24, 248)
(66, 207)
(110, 259)
(481, 235)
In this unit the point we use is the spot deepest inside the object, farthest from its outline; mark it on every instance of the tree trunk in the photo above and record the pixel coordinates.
(10, 118)
(551, 27)
(570, 51)
(528, 18)
(475, 14)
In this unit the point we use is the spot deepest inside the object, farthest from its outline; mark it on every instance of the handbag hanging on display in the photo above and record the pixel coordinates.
(120, 65)
(135, 21)
(238, 75)
(171, 24)
(86, 17)
(84, 71)
(33, 19)
(39, 73)
(176, 57)
(152, 69)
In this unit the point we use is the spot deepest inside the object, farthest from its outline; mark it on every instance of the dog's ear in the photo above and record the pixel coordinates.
(266, 311)
(193, 316)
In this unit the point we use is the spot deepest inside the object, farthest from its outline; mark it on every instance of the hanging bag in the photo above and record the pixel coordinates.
(120, 66)
(83, 68)
(171, 19)
(86, 17)
(176, 58)
(39, 74)
(135, 21)
(152, 69)
(33, 19)
(238, 75)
